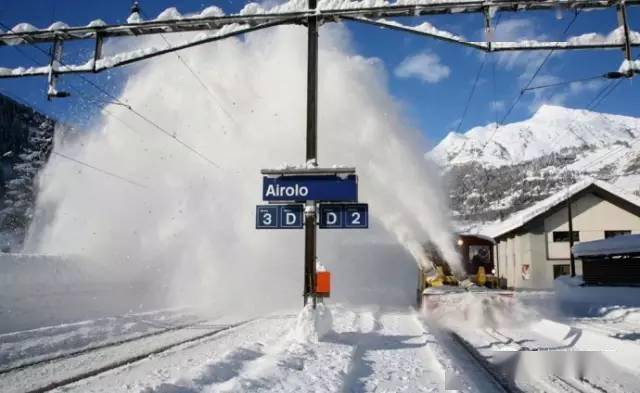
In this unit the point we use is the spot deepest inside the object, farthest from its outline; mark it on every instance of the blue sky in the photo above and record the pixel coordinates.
(434, 99)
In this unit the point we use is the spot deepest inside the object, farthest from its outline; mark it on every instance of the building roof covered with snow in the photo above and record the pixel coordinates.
(629, 244)
(523, 217)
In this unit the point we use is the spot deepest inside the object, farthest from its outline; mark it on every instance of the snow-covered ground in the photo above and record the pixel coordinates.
(346, 348)
(574, 339)
(367, 349)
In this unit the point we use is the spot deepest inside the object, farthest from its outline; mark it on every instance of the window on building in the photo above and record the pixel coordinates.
(563, 236)
(608, 234)
(561, 270)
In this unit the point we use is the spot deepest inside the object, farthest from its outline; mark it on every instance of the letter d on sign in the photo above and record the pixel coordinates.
(332, 218)
(290, 218)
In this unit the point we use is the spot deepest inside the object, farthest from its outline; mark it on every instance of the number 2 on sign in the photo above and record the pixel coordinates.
(355, 218)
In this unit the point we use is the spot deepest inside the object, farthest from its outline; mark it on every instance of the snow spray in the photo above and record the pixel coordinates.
(189, 224)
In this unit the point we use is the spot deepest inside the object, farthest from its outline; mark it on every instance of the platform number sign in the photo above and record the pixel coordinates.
(344, 216)
(279, 217)
(291, 217)
(356, 216)
(267, 217)
(331, 216)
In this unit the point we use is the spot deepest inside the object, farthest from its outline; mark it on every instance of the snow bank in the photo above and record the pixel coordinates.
(620, 314)
(620, 352)
(312, 325)
(574, 299)
(477, 310)
(42, 290)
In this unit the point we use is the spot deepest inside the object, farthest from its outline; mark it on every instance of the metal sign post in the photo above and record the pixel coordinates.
(312, 155)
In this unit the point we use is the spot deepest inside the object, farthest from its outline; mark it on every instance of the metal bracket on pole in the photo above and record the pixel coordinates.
(97, 53)
(54, 64)
(488, 29)
(622, 21)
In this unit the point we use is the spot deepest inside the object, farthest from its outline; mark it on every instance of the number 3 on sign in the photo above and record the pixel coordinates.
(357, 216)
(266, 217)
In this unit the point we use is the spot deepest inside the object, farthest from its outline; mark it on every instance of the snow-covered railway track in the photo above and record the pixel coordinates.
(500, 383)
(44, 369)
(620, 330)
(83, 351)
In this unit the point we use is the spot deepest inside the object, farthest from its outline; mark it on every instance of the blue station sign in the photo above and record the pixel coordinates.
(310, 188)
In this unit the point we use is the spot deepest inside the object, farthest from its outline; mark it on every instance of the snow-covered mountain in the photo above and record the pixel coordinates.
(551, 129)
(496, 170)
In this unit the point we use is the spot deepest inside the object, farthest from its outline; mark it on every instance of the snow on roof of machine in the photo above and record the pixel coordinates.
(626, 244)
(523, 217)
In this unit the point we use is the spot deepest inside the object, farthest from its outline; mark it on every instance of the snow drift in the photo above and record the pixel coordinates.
(190, 227)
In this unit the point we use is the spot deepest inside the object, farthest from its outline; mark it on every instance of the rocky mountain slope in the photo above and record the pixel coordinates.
(26, 140)
(493, 171)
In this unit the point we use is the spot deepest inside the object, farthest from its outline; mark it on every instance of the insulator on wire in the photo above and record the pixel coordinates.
(135, 8)
(614, 75)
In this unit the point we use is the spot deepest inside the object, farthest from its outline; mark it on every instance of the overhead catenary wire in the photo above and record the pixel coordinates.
(612, 86)
(173, 136)
(538, 69)
(563, 83)
(75, 160)
(95, 168)
(211, 94)
(471, 92)
(528, 84)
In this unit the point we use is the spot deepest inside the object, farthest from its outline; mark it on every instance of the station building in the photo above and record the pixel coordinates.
(532, 246)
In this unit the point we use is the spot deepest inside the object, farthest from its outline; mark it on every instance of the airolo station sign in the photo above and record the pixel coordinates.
(288, 191)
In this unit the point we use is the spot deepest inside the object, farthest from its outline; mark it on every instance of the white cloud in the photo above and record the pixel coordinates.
(560, 95)
(424, 66)
(518, 29)
(497, 106)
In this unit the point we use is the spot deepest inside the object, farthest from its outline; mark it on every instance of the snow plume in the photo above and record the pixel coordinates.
(189, 225)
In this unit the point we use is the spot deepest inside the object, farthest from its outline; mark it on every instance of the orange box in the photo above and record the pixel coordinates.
(323, 283)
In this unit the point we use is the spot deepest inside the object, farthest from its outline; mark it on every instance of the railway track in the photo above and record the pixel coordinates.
(70, 354)
(551, 382)
(500, 382)
(81, 375)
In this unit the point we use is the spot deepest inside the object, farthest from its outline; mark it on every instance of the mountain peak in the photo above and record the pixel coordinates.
(551, 129)
(548, 110)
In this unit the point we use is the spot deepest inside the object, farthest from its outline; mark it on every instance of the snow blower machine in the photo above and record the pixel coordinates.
(477, 280)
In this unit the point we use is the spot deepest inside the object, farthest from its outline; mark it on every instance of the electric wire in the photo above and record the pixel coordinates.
(537, 71)
(213, 97)
(563, 83)
(472, 91)
(95, 168)
(137, 113)
(535, 74)
(75, 160)
(612, 86)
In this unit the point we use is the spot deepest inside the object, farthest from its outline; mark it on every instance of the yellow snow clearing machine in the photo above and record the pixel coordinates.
(476, 274)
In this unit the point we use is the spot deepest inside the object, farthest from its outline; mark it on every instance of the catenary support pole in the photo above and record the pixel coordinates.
(312, 155)
(572, 260)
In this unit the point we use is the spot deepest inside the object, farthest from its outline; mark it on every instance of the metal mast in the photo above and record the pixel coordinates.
(311, 154)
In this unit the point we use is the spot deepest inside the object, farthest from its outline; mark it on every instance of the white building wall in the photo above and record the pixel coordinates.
(592, 215)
